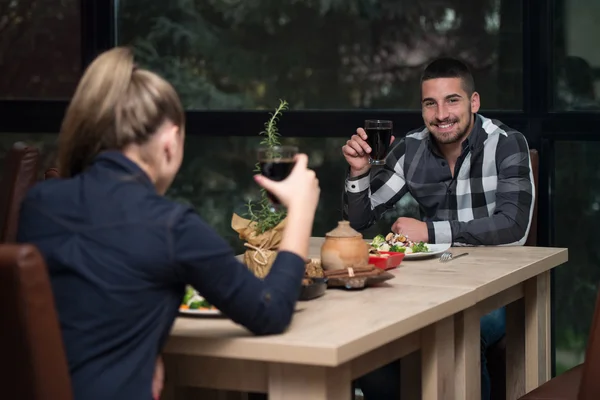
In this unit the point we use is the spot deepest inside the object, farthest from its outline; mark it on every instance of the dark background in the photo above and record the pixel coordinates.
(337, 62)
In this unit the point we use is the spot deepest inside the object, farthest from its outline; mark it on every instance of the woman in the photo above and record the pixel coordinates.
(119, 253)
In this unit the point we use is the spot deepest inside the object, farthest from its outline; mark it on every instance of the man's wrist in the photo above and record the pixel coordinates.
(358, 172)
(359, 183)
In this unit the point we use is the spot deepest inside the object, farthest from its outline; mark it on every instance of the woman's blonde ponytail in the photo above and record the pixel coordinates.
(115, 104)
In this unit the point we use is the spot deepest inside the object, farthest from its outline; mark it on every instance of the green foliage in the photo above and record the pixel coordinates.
(264, 214)
(231, 54)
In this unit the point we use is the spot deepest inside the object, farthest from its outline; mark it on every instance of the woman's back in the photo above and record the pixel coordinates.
(105, 235)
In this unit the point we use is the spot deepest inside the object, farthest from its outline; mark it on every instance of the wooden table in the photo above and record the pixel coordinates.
(516, 277)
(429, 306)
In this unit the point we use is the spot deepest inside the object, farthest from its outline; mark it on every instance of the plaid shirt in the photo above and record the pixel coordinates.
(489, 201)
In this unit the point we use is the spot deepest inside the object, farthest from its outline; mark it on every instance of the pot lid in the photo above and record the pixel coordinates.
(343, 230)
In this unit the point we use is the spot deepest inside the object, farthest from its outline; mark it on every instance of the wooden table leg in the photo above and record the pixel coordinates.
(437, 366)
(300, 382)
(537, 331)
(467, 355)
(528, 338)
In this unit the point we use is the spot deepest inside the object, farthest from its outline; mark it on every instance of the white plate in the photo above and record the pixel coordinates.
(217, 313)
(434, 250)
(212, 313)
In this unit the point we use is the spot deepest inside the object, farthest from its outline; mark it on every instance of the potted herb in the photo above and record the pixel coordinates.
(263, 227)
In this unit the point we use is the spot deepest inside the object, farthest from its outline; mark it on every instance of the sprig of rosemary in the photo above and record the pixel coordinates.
(264, 214)
(271, 132)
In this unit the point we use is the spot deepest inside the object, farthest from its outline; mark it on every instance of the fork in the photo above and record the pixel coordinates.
(447, 256)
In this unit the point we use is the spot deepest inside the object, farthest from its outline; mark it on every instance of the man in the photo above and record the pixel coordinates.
(470, 175)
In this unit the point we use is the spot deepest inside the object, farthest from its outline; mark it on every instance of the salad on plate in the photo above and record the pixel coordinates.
(193, 301)
(397, 242)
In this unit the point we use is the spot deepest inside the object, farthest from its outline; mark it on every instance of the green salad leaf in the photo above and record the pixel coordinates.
(378, 240)
(200, 304)
(398, 249)
(420, 247)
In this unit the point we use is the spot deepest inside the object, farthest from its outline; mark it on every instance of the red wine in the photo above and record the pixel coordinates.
(276, 170)
(379, 141)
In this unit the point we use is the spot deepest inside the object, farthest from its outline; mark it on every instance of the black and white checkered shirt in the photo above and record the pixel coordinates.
(489, 201)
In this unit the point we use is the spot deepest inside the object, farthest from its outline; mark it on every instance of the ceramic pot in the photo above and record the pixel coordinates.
(344, 248)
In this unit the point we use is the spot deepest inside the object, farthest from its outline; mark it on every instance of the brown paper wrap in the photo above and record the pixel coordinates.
(262, 247)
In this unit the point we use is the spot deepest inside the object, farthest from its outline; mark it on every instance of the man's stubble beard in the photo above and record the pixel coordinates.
(458, 136)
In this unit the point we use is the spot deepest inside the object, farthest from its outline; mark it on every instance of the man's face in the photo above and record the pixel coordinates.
(447, 109)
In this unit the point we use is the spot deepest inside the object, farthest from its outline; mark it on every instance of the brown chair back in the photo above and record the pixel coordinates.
(535, 169)
(496, 354)
(589, 388)
(20, 172)
(51, 173)
(33, 361)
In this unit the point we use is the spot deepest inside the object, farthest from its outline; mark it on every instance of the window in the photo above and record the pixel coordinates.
(216, 178)
(40, 50)
(323, 54)
(577, 59)
(577, 204)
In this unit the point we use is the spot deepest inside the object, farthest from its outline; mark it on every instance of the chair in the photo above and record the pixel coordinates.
(496, 354)
(20, 172)
(535, 168)
(580, 382)
(33, 361)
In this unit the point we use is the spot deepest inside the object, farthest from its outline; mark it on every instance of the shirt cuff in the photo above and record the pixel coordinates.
(359, 183)
(439, 232)
(291, 263)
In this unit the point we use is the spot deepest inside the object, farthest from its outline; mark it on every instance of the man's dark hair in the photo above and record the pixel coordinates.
(447, 67)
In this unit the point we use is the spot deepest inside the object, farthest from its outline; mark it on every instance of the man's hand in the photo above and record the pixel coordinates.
(356, 152)
(415, 230)
(158, 379)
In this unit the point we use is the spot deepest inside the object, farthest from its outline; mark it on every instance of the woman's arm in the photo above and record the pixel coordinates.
(208, 263)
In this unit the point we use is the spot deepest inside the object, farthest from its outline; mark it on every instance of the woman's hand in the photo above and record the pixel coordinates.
(299, 191)
(158, 380)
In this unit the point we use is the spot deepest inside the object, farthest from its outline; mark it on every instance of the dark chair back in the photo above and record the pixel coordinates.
(33, 361)
(20, 172)
(535, 169)
(496, 354)
(589, 388)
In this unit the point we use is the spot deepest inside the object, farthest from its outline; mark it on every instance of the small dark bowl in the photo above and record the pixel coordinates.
(314, 290)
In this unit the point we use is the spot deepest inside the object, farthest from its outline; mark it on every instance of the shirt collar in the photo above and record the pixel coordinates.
(117, 162)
